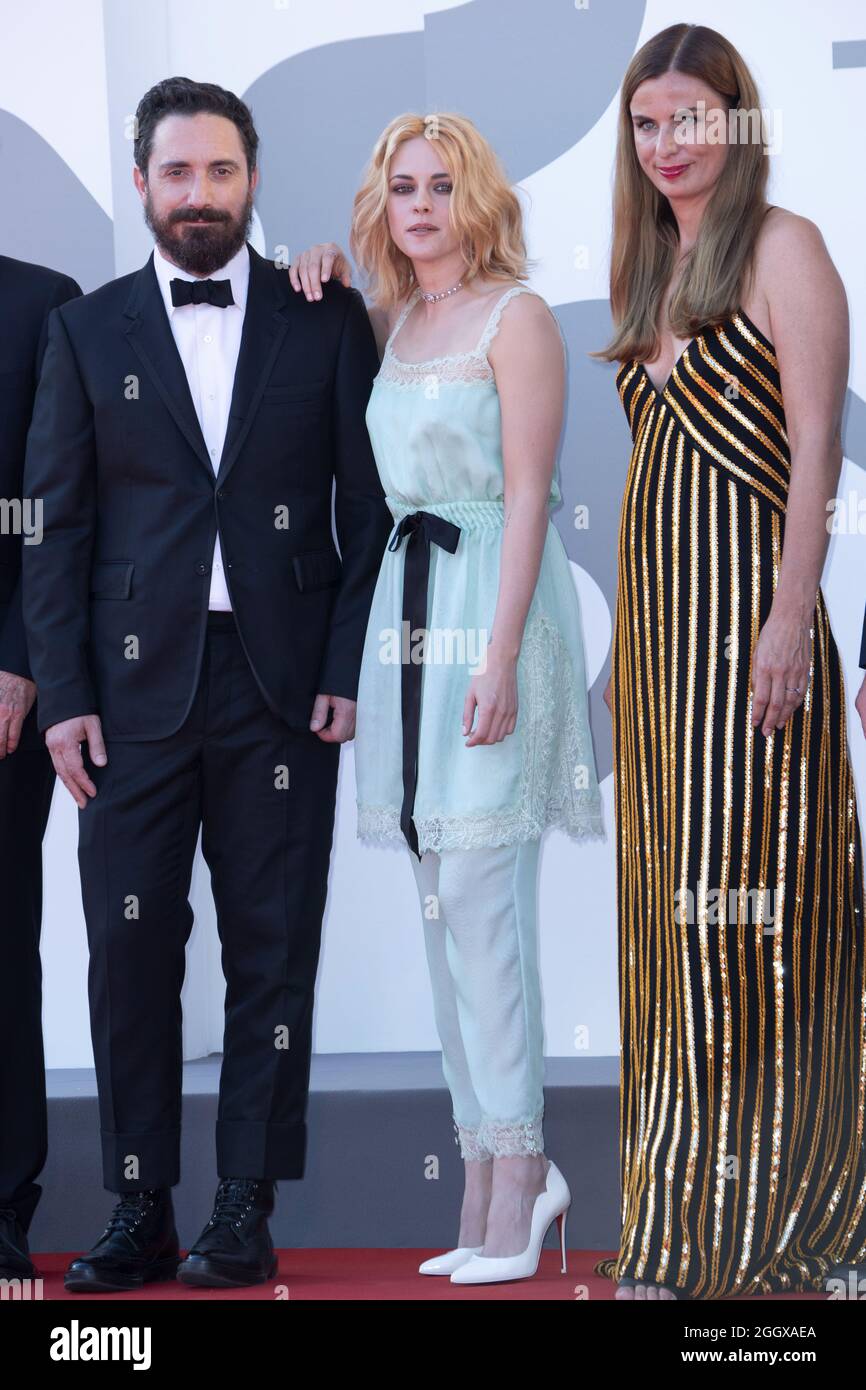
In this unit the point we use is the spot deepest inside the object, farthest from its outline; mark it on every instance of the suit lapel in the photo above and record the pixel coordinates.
(265, 325)
(151, 338)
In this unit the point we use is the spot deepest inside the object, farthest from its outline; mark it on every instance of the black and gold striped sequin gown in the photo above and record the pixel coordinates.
(743, 1029)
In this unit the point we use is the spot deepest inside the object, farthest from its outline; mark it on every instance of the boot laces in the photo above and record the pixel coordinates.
(130, 1210)
(234, 1200)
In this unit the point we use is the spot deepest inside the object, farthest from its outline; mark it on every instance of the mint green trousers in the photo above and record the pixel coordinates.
(479, 910)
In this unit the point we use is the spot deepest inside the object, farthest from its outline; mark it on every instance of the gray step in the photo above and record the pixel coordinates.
(382, 1168)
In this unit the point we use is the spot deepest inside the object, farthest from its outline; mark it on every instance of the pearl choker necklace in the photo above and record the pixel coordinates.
(434, 298)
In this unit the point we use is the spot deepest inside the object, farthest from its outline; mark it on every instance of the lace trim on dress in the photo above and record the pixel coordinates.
(468, 1143)
(459, 368)
(500, 1138)
(550, 790)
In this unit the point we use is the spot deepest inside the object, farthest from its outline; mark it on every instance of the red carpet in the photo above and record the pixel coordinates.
(377, 1275)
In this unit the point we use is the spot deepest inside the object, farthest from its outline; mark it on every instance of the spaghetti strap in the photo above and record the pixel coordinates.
(402, 316)
(492, 325)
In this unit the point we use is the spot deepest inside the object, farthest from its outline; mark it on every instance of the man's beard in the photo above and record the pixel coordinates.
(207, 241)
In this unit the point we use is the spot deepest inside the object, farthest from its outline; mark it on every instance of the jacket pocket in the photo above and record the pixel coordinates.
(317, 569)
(111, 578)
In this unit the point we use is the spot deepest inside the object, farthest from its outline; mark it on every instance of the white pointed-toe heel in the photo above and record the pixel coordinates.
(450, 1260)
(550, 1205)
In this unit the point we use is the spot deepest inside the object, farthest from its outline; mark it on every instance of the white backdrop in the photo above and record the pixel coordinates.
(373, 990)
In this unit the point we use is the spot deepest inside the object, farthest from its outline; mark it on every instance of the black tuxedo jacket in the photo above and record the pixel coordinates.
(116, 596)
(28, 293)
(863, 643)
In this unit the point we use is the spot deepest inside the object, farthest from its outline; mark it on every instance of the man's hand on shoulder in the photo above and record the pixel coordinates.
(17, 694)
(342, 727)
(64, 741)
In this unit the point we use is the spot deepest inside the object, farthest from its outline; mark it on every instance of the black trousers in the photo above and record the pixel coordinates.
(26, 786)
(263, 796)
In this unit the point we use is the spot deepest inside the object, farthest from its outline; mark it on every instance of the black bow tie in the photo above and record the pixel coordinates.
(218, 292)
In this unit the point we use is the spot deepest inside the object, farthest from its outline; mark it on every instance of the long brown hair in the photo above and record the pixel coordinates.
(484, 209)
(645, 238)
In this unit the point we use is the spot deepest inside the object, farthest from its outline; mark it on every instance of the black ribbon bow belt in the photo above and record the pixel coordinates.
(419, 528)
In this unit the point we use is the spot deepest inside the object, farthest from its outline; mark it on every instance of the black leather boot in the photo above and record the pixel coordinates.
(139, 1244)
(15, 1262)
(235, 1248)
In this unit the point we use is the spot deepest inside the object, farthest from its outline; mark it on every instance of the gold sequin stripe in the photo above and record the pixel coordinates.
(776, 939)
(694, 1138)
(647, 416)
(640, 978)
(743, 392)
(853, 1156)
(725, 404)
(836, 947)
(735, 444)
(623, 820)
(815, 1113)
(803, 1010)
(824, 1126)
(628, 824)
(779, 943)
(819, 909)
(756, 343)
(754, 1148)
(664, 905)
(836, 859)
(742, 946)
(766, 827)
(743, 361)
(671, 943)
(858, 989)
(641, 990)
(857, 1218)
(627, 857)
(639, 955)
(852, 1229)
(853, 950)
(634, 406)
(631, 406)
(653, 611)
(703, 884)
(727, 817)
(624, 375)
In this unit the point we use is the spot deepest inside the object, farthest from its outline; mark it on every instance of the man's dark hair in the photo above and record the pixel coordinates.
(181, 96)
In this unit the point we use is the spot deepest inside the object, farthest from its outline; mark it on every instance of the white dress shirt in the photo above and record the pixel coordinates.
(208, 339)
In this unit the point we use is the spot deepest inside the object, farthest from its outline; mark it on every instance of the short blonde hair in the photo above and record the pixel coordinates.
(484, 209)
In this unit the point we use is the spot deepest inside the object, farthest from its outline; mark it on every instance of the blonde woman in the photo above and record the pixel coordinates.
(468, 756)
(741, 909)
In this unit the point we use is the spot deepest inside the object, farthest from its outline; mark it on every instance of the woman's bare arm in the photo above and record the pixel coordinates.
(808, 313)
(529, 363)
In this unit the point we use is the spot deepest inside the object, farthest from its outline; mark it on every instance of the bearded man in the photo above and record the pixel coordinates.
(196, 637)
